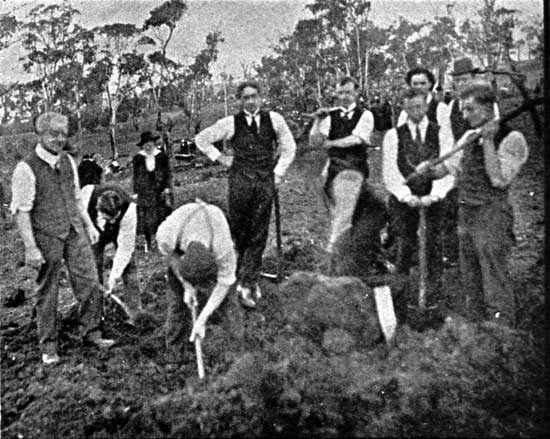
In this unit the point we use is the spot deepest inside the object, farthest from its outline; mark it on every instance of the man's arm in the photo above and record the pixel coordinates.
(223, 129)
(360, 135)
(126, 243)
(393, 180)
(444, 181)
(82, 206)
(285, 142)
(319, 130)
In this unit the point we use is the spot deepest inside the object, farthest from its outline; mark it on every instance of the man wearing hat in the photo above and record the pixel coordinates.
(464, 75)
(263, 150)
(196, 240)
(485, 170)
(54, 225)
(152, 178)
(423, 79)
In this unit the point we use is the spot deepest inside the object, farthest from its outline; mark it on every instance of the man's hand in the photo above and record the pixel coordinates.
(199, 329)
(225, 160)
(278, 179)
(411, 200)
(423, 167)
(428, 200)
(489, 130)
(93, 234)
(190, 296)
(321, 113)
(33, 257)
(111, 285)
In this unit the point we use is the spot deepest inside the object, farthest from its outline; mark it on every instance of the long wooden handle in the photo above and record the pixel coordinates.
(422, 261)
(198, 347)
(278, 233)
(528, 105)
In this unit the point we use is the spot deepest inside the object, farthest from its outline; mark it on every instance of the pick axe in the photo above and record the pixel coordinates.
(278, 276)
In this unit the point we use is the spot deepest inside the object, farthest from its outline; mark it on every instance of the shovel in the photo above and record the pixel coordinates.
(198, 346)
(278, 276)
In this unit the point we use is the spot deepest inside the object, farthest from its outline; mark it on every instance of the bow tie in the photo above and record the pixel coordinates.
(346, 113)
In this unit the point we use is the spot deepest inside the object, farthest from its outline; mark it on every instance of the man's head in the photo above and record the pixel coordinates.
(414, 103)
(148, 141)
(347, 91)
(478, 102)
(52, 129)
(463, 74)
(249, 93)
(110, 204)
(421, 78)
(198, 264)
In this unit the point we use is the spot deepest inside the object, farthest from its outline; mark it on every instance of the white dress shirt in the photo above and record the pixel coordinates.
(189, 223)
(363, 129)
(441, 111)
(224, 129)
(394, 180)
(126, 239)
(150, 158)
(23, 181)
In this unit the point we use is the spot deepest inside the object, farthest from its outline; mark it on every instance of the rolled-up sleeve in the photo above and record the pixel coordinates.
(167, 233)
(512, 153)
(442, 186)
(224, 251)
(23, 189)
(285, 142)
(364, 127)
(393, 180)
(223, 129)
(126, 242)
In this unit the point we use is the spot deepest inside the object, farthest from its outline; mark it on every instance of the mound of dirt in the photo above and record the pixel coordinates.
(314, 303)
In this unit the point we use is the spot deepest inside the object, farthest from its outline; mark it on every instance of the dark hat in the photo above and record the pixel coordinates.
(147, 136)
(197, 264)
(462, 66)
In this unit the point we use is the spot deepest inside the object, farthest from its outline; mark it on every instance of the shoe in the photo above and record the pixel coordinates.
(245, 296)
(102, 343)
(50, 358)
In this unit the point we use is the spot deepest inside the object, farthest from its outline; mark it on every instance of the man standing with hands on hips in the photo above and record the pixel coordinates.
(54, 225)
(255, 172)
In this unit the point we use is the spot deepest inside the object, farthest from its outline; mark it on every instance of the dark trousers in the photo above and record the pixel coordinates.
(486, 237)
(76, 250)
(129, 275)
(405, 225)
(250, 201)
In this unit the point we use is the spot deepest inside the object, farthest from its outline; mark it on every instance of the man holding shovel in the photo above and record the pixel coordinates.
(114, 215)
(404, 147)
(54, 225)
(196, 241)
(484, 173)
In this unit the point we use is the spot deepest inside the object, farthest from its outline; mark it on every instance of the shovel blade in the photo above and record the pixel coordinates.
(385, 311)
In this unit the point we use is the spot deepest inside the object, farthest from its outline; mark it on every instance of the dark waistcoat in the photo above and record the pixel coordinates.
(411, 153)
(459, 125)
(474, 185)
(55, 209)
(431, 114)
(254, 153)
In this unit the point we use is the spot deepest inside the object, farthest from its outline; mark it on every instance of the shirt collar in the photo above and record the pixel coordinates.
(154, 153)
(349, 109)
(422, 124)
(256, 113)
(429, 97)
(48, 157)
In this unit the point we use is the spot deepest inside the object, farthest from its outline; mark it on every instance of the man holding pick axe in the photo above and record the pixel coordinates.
(196, 240)
(484, 169)
(263, 150)
(54, 226)
(406, 146)
(345, 132)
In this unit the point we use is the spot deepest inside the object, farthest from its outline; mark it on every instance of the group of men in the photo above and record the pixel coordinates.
(58, 220)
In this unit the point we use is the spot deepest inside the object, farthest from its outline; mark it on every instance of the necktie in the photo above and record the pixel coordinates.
(347, 114)
(254, 126)
(418, 136)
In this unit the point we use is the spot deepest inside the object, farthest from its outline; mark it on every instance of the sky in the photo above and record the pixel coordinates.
(250, 27)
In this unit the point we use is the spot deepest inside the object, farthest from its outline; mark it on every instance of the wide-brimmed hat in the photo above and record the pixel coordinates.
(462, 66)
(147, 136)
(197, 264)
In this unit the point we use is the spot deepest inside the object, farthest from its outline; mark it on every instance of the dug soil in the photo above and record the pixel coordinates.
(309, 361)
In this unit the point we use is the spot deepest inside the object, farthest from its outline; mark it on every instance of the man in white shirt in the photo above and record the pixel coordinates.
(257, 137)
(196, 241)
(423, 79)
(114, 215)
(54, 225)
(484, 173)
(345, 132)
(405, 147)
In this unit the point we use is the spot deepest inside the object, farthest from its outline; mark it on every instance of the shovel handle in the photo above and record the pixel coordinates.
(198, 347)
(278, 233)
(423, 266)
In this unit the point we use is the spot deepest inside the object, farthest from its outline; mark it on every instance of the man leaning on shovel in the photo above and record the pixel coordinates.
(54, 225)
(196, 241)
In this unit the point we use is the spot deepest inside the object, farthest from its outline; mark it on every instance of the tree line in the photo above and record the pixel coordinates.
(105, 74)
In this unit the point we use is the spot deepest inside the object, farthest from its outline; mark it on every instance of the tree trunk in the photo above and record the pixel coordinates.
(113, 108)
